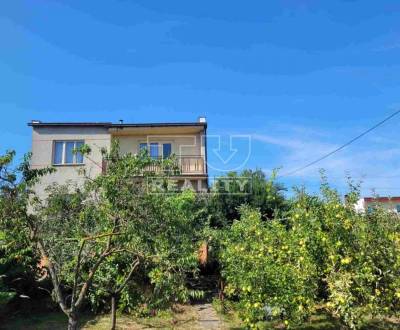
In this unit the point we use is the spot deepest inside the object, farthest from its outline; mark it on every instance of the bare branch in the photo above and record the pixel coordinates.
(54, 278)
(134, 265)
(77, 269)
(86, 285)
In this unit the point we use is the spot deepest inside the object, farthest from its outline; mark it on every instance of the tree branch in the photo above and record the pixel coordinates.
(54, 278)
(77, 269)
(134, 265)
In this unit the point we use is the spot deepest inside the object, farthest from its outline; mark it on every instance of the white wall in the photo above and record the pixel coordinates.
(187, 144)
(42, 153)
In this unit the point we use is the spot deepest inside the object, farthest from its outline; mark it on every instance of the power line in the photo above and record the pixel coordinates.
(343, 146)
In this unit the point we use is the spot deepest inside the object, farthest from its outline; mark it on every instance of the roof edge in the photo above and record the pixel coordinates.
(111, 125)
(158, 125)
(42, 124)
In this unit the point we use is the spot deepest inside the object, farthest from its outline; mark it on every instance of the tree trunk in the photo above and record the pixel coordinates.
(72, 322)
(113, 312)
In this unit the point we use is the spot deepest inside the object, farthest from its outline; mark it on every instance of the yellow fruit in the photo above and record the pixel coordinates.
(345, 261)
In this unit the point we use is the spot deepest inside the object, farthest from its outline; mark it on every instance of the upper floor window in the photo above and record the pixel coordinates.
(64, 152)
(157, 150)
(154, 150)
(167, 150)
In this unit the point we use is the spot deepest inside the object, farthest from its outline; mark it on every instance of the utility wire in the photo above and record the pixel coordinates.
(343, 146)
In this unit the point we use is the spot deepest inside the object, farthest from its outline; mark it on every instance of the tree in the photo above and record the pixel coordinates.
(92, 239)
(321, 253)
(68, 231)
(17, 259)
(267, 269)
(161, 227)
(248, 187)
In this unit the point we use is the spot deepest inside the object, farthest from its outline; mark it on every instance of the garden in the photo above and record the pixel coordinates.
(114, 254)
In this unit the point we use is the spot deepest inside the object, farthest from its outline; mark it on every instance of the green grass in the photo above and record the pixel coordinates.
(182, 317)
(47, 321)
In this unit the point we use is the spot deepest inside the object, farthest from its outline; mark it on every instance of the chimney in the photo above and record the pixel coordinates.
(202, 119)
(121, 121)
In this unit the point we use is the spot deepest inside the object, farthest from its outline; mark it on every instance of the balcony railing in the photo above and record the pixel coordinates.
(185, 165)
(191, 165)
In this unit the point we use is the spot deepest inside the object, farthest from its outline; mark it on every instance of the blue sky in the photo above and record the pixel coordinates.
(300, 77)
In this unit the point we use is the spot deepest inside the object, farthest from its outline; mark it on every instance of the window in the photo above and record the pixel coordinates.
(167, 149)
(64, 152)
(58, 153)
(154, 150)
(143, 146)
(78, 155)
(398, 208)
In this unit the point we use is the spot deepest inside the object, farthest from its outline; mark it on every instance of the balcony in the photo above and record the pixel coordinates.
(185, 165)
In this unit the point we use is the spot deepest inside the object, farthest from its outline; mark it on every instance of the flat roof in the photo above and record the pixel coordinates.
(111, 125)
(381, 199)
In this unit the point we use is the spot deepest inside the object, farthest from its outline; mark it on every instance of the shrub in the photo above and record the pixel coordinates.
(323, 253)
(248, 187)
(357, 255)
(268, 269)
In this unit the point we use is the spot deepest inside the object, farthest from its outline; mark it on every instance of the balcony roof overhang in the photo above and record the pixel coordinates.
(157, 128)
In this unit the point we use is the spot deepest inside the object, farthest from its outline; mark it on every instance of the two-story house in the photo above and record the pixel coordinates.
(53, 144)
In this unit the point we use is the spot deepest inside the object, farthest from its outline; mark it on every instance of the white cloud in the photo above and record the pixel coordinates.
(374, 160)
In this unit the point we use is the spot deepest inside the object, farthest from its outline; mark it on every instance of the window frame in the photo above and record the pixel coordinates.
(160, 147)
(64, 153)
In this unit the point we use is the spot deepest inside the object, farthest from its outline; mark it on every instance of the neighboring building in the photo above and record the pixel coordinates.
(53, 145)
(367, 204)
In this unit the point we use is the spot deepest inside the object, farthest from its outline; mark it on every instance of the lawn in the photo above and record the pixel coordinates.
(182, 317)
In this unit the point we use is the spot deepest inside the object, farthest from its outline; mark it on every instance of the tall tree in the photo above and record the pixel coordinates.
(111, 225)
(248, 187)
